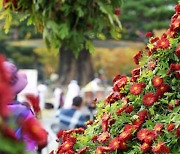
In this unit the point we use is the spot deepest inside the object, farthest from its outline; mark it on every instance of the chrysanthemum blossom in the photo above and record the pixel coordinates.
(137, 57)
(120, 84)
(114, 143)
(157, 81)
(158, 127)
(163, 43)
(178, 51)
(142, 134)
(149, 99)
(103, 137)
(149, 34)
(145, 147)
(136, 89)
(170, 127)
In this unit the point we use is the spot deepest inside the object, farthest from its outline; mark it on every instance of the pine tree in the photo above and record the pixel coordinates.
(141, 115)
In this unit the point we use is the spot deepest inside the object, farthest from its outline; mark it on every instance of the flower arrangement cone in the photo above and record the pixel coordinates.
(142, 113)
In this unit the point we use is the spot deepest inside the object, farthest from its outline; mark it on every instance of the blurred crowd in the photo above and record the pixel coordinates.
(63, 107)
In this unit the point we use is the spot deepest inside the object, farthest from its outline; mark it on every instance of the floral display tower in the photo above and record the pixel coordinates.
(142, 113)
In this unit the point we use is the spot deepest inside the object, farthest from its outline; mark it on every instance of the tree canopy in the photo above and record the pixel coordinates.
(67, 22)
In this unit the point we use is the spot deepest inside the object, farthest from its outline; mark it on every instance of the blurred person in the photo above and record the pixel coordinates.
(59, 97)
(28, 127)
(72, 118)
(42, 92)
(72, 91)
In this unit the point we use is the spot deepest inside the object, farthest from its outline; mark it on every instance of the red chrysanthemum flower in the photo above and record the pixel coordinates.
(170, 127)
(60, 134)
(137, 57)
(106, 117)
(154, 39)
(118, 77)
(120, 84)
(67, 146)
(145, 147)
(163, 43)
(8, 132)
(89, 122)
(118, 12)
(100, 150)
(112, 121)
(158, 127)
(170, 107)
(104, 126)
(151, 65)
(177, 103)
(178, 131)
(178, 51)
(160, 148)
(123, 145)
(142, 134)
(136, 89)
(120, 110)
(143, 115)
(137, 123)
(135, 74)
(103, 137)
(113, 97)
(149, 99)
(129, 109)
(125, 135)
(128, 127)
(163, 88)
(157, 81)
(150, 137)
(34, 101)
(114, 143)
(35, 131)
(173, 67)
(177, 74)
(171, 33)
(175, 25)
(149, 34)
(83, 150)
(94, 138)
(177, 8)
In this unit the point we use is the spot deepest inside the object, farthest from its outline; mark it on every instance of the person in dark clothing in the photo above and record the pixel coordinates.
(72, 118)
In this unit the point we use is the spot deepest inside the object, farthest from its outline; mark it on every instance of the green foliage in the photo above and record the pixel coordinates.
(141, 16)
(69, 22)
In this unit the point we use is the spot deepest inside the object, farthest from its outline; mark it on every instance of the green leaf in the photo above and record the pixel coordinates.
(90, 46)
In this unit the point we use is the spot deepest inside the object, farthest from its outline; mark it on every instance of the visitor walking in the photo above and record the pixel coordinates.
(72, 118)
(72, 91)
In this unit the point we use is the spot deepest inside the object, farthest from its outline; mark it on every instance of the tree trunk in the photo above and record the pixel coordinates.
(79, 69)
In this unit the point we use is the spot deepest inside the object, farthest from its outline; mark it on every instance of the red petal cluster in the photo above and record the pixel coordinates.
(137, 57)
(34, 101)
(136, 88)
(157, 81)
(118, 12)
(149, 34)
(163, 43)
(35, 131)
(120, 84)
(160, 148)
(113, 97)
(149, 99)
(103, 137)
(178, 51)
(135, 74)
